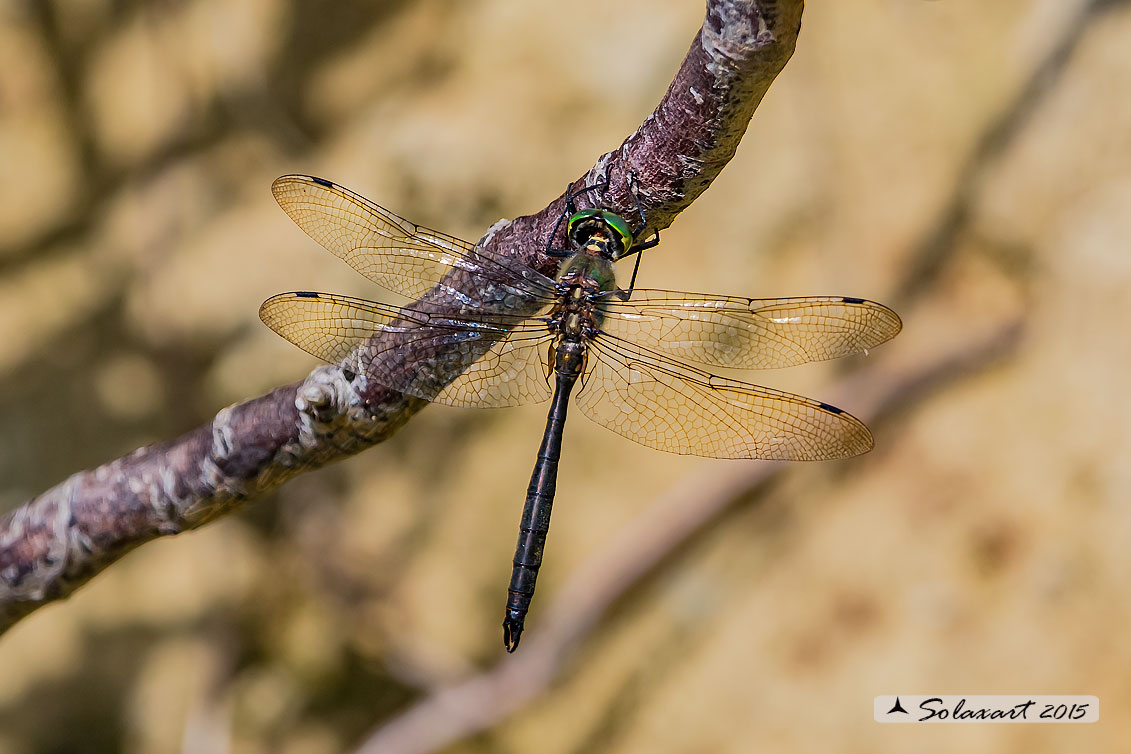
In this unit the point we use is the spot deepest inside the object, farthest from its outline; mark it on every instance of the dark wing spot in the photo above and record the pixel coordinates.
(830, 409)
(322, 182)
(849, 300)
(306, 294)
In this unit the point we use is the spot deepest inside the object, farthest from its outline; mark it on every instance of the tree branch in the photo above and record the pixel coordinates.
(56, 542)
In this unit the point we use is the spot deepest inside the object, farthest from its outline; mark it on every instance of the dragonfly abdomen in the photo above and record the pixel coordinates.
(569, 360)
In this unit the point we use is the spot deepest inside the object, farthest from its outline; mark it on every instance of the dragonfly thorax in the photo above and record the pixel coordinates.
(588, 271)
(582, 287)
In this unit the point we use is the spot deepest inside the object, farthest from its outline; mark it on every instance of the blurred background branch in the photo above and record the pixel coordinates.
(930, 254)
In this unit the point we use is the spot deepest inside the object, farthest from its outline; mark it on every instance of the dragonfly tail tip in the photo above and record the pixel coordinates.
(512, 632)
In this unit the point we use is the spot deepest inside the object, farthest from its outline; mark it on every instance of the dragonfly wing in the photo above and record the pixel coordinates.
(398, 255)
(514, 372)
(729, 331)
(674, 407)
(477, 360)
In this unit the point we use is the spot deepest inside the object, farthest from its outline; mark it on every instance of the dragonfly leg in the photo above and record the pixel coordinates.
(570, 209)
(601, 188)
(632, 280)
(655, 239)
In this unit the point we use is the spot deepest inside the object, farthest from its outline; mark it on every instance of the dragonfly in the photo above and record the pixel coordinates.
(488, 333)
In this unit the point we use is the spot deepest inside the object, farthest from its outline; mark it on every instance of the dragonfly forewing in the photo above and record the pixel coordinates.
(728, 331)
(403, 257)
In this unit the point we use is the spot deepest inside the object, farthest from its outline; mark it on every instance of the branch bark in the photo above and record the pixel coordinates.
(56, 542)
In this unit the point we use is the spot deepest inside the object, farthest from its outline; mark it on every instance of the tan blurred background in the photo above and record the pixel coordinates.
(968, 162)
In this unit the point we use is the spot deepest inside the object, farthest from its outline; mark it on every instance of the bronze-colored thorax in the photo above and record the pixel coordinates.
(585, 280)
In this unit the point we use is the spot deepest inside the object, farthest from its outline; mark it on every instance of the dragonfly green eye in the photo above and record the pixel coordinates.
(584, 224)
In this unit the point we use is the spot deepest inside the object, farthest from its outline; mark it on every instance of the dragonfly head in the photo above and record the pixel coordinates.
(604, 231)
